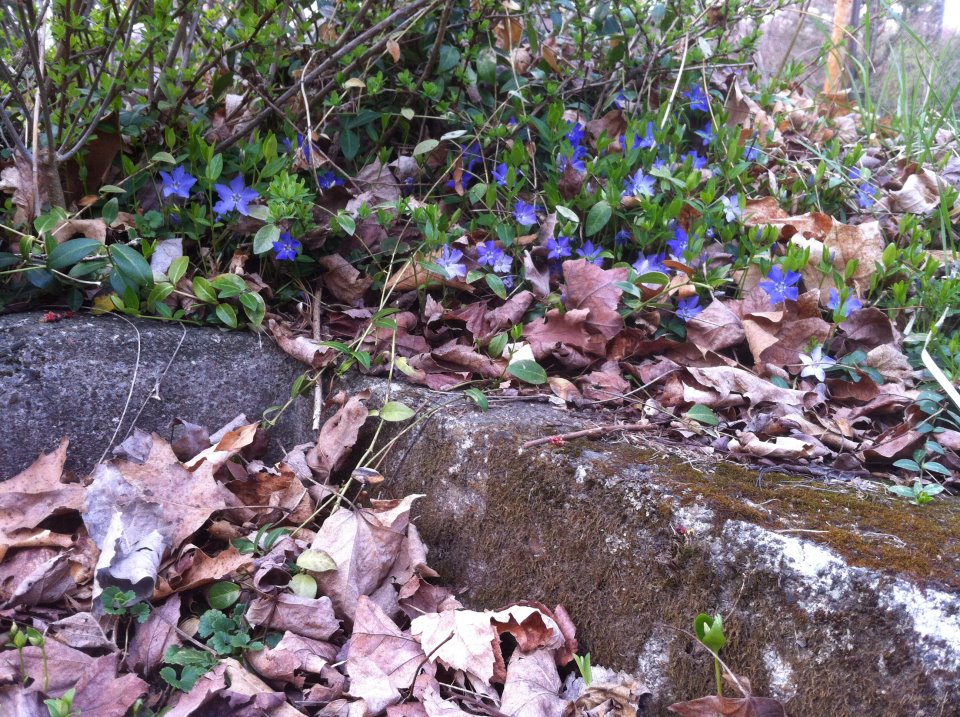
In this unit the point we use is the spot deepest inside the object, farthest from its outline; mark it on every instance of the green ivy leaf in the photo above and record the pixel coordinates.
(478, 397)
(223, 594)
(394, 412)
(496, 285)
(427, 145)
(528, 371)
(449, 57)
(204, 290)
(131, 265)
(178, 267)
(316, 561)
(265, 237)
(304, 586)
(709, 631)
(349, 143)
(72, 251)
(703, 414)
(227, 314)
(598, 217)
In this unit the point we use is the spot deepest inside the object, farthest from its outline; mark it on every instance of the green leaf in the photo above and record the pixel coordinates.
(496, 285)
(214, 168)
(427, 145)
(907, 465)
(163, 157)
(204, 290)
(131, 265)
(254, 307)
(159, 292)
(178, 267)
(703, 414)
(346, 223)
(229, 285)
(710, 632)
(316, 561)
(223, 594)
(304, 586)
(110, 211)
(259, 211)
(394, 412)
(112, 189)
(72, 251)
(487, 65)
(227, 314)
(478, 397)
(497, 345)
(265, 237)
(449, 57)
(407, 113)
(349, 143)
(567, 213)
(598, 217)
(528, 371)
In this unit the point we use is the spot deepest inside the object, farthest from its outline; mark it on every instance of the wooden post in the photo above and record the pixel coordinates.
(841, 19)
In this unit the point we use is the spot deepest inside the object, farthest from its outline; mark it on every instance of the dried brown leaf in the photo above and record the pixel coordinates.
(531, 687)
(714, 706)
(591, 287)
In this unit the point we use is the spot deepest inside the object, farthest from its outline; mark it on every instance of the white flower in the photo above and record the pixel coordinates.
(731, 207)
(816, 363)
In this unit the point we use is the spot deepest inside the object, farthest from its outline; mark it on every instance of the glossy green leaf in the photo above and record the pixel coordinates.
(394, 411)
(72, 251)
(528, 371)
(223, 594)
(598, 217)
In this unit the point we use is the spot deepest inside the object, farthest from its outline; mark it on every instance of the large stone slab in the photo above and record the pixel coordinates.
(837, 599)
(73, 378)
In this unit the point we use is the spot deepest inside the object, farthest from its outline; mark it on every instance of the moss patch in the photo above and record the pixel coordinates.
(592, 527)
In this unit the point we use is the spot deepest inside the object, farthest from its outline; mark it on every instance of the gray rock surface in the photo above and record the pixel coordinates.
(837, 599)
(72, 378)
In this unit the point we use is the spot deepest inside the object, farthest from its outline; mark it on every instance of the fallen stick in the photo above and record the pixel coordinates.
(589, 432)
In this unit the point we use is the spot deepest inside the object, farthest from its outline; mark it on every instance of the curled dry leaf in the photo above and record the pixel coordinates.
(590, 287)
(150, 641)
(815, 231)
(337, 436)
(90, 228)
(531, 686)
(303, 349)
(462, 640)
(365, 545)
(781, 447)
(343, 280)
(308, 617)
(380, 652)
(136, 513)
(34, 495)
(920, 194)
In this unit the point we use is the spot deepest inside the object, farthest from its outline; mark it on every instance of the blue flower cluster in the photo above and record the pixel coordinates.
(235, 197)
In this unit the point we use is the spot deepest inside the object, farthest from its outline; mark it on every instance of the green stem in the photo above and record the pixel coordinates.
(719, 676)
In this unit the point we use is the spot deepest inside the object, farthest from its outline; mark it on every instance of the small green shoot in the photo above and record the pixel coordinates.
(63, 705)
(584, 667)
(709, 631)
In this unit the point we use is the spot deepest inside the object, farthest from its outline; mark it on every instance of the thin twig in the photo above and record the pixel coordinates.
(133, 384)
(590, 432)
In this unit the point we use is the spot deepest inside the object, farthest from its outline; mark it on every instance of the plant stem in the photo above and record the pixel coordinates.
(719, 676)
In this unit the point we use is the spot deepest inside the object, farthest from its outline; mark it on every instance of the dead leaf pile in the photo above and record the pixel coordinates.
(349, 618)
